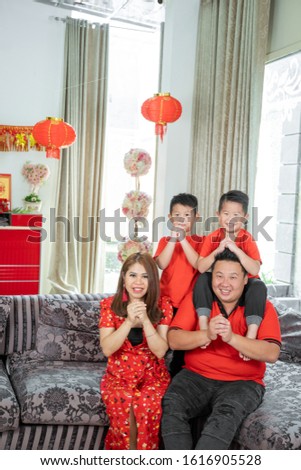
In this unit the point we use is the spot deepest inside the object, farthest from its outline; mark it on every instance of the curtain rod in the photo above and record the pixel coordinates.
(145, 28)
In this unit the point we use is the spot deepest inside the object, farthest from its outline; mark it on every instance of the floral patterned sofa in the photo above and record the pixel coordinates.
(51, 366)
(50, 370)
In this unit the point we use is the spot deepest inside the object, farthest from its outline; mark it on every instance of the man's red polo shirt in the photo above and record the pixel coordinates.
(219, 360)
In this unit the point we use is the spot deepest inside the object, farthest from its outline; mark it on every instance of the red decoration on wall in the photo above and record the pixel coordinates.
(53, 133)
(4, 205)
(162, 108)
(17, 139)
(5, 192)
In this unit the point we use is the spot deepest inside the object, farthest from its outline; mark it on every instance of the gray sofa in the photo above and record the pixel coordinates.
(276, 424)
(51, 366)
(50, 370)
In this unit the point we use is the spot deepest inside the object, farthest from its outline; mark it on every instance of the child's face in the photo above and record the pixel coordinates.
(182, 217)
(232, 217)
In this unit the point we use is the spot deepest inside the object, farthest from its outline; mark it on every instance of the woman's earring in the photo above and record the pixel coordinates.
(125, 297)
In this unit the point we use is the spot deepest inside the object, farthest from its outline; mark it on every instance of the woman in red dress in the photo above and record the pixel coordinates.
(133, 335)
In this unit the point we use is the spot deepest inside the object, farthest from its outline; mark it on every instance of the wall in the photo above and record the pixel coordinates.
(177, 78)
(31, 51)
(285, 31)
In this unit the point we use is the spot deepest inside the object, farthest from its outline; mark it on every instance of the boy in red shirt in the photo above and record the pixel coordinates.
(178, 255)
(232, 214)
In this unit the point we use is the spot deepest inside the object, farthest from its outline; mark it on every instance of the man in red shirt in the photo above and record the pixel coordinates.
(217, 378)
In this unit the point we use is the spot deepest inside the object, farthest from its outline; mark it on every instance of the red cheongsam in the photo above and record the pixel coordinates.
(135, 378)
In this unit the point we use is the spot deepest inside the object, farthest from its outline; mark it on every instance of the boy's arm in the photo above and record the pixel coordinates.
(163, 259)
(205, 262)
(252, 266)
(190, 253)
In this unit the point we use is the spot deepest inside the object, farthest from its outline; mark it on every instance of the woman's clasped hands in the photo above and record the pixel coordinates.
(136, 313)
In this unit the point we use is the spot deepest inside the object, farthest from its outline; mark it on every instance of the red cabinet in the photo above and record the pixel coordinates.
(20, 255)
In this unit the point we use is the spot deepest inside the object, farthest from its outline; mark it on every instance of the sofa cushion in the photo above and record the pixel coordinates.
(9, 408)
(23, 316)
(276, 422)
(68, 330)
(4, 313)
(57, 392)
(290, 324)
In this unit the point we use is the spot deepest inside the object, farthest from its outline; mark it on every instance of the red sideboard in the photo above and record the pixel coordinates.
(20, 255)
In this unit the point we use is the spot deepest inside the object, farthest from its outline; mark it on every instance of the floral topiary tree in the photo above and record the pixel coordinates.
(137, 162)
(35, 175)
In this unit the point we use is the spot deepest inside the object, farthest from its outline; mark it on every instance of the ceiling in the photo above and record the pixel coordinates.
(148, 13)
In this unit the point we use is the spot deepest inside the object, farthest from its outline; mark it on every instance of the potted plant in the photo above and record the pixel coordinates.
(32, 202)
(35, 175)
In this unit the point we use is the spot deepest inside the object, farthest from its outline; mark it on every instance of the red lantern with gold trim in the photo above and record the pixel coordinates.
(53, 133)
(161, 109)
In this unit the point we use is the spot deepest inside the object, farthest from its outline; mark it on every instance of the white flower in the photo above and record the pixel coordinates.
(136, 204)
(129, 247)
(137, 162)
(35, 175)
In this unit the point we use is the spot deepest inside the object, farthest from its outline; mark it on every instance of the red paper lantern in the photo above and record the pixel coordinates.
(161, 109)
(53, 133)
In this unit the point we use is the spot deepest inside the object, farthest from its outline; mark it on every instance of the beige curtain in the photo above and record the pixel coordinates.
(230, 61)
(75, 256)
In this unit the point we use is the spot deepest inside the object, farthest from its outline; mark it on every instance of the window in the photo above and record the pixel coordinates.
(134, 67)
(277, 181)
(134, 57)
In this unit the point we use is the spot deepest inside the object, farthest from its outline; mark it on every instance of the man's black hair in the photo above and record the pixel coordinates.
(228, 255)
(185, 199)
(235, 196)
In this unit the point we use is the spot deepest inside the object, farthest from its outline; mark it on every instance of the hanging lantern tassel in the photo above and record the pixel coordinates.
(53, 133)
(162, 108)
(160, 129)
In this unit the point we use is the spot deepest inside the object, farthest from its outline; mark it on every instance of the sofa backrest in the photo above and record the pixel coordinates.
(290, 325)
(20, 332)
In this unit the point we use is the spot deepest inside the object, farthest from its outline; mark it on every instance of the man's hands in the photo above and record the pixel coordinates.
(218, 326)
(221, 326)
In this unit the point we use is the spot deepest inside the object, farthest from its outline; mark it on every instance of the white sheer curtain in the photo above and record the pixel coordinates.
(75, 256)
(230, 61)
